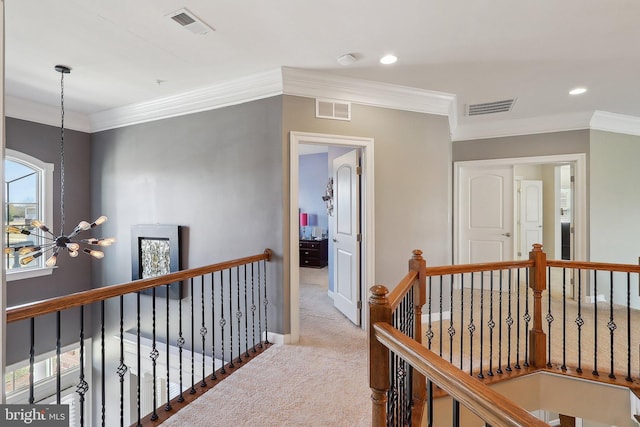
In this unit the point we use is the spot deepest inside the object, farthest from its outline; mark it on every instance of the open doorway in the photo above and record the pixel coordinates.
(301, 234)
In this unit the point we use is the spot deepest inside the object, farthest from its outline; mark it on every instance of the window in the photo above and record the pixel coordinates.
(28, 196)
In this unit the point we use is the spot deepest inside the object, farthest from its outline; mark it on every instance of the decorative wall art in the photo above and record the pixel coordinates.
(328, 197)
(155, 251)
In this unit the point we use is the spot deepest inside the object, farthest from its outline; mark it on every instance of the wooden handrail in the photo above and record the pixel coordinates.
(401, 289)
(584, 265)
(489, 405)
(474, 268)
(52, 305)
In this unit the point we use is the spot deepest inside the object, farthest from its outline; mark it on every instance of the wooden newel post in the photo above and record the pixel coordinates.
(379, 311)
(538, 283)
(419, 264)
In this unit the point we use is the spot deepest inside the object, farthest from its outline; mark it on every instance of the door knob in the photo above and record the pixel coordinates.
(334, 240)
(506, 234)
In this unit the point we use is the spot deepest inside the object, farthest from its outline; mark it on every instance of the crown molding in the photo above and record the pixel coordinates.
(23, 109)
(312, 84)
(612, 122)
(237, 91)
(535, 125)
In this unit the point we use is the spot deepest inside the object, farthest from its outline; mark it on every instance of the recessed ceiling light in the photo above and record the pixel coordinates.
(388, 59)
(347, 59)
(577, 91)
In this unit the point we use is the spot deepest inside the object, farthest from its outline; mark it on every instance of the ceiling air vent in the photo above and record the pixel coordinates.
(330, 109)
(490, 107)
(188, 20)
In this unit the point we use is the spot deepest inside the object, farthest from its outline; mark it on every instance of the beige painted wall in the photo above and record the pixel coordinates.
(412, 179)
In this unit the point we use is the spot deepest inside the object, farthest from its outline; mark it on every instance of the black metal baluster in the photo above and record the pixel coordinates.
(550, 319)
(429, 333)
(509, 321)
(499, 370)
(611, 324)
(595, 323)
(451, 330)
(246, 316)
(266, 304)
(481, 375)
(253, 308)
(471, 328)
(238, 314)
(223, 322)
(491, 324)
(180, 342)
(138, 358)
(168, 407)
(527, 319)
(519, 295)
(564, 317)
(430, 401)
(213, 330)
(441, 319)
(203, 331)
(579, 322)
(259, 310)
(122, 368)
(628, 378)
(461, 318)
(58, 347)
(32, 357)
(154, 354)
(456, 413)
(193, 341)
(231, 365)
(102, 364)
(82, 387)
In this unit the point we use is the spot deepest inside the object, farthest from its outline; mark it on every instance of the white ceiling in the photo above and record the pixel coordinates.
(125, 52)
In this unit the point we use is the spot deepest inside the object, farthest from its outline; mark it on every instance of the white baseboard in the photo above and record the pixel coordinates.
(330, 293)
(278, 338)
(589, 299)
(435, 317)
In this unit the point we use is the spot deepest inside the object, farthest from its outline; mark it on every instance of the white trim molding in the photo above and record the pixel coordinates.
(23, 109)
(612, 122)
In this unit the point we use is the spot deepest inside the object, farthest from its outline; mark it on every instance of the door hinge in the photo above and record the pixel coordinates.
(572, 179)
(358, 170)
(520, 254)
(359, 305)
(359, 237)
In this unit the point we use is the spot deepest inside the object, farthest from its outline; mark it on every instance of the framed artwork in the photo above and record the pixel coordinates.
(155, 251)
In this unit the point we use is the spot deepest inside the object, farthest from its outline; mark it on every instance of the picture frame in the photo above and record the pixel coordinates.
(155, 251)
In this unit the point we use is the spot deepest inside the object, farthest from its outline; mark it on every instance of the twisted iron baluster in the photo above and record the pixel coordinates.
(471, 328)
(564, 318)
(579, 322)
(491, 324)
(481, 375)
(238, 314)
(203, 332)
(628, 378)
(517, 364)
(193, 341)
(231, 365)
(102, 364)
(259, 310)
(499, 370)
(83, 386)
(509, 321)
(441, 319)
(429, 334)
(527, 318)
(246, 317)
(154, 353)
(550, 319)
(122, 368)
(167, 407)
(266, 304)
(139, 359)
(222, 321)
(253, 308)
(58, 376)
(611, 324)
(461, 318)
(180, 344)
(213, 330)
(32, 356)
(595, 324)
(451, 330)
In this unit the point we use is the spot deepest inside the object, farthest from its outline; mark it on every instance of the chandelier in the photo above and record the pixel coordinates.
(51, 243)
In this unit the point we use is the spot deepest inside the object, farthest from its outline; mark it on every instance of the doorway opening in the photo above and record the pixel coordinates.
(365, 263)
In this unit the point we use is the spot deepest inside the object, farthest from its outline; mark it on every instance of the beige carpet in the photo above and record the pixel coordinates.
(322, 381)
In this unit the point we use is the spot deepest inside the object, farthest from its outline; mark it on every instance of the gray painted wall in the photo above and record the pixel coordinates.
(412, 179)
(312, 186)
(71, 275)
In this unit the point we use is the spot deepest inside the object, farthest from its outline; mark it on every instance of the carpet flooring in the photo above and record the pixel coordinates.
(321, 381)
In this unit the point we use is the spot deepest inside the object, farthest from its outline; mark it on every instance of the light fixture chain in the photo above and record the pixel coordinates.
(62, 154)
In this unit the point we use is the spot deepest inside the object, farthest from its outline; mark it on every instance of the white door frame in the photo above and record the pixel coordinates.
(580, 197)
(367, 260)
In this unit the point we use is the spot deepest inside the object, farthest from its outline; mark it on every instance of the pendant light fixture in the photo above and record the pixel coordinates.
(51, 243)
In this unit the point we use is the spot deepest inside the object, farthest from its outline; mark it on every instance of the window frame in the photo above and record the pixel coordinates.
(45, 173)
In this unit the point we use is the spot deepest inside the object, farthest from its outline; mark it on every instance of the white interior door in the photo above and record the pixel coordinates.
(346, 247)
(530, 216)
(485, 214)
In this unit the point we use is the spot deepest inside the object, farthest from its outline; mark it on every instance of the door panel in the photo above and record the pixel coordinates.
(346, 247)
(530, 215)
